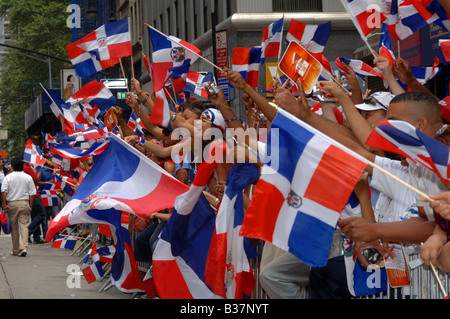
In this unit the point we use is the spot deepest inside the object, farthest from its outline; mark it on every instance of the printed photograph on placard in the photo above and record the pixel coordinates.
(299, 63)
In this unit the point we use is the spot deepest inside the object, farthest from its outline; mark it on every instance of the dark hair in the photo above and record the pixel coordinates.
(426, 104)
(196, 107)
(17, 164)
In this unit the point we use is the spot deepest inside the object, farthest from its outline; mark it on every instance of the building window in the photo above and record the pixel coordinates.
(296, 5)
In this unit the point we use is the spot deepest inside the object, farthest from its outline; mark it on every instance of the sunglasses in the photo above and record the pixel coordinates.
(373, 101)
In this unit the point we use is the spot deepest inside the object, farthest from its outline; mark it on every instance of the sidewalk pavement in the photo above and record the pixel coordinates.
(45, 273)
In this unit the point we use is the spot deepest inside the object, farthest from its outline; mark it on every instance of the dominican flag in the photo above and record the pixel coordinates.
(92, 266)
(195, 83)
(271, 40)
(302, 211)
(33, 154)
(404, 139)
(94, 96)
(106, 253)
(180, 255)
(424, 74)
(85, 63)
(161, 113)
(312, 37)
(49, 197)
(136, 185)
(110, 41)
(65, 150)
(385, 49)
(70, 115)
(67, 242)
(361, 69)
(407, 17)
(435, 7)
(135, 124)
(246, 61)
(228, 271)
(367, 15)
(169, 52)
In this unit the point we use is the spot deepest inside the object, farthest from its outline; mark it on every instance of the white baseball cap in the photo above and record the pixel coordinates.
(216, 117)
(376, 101)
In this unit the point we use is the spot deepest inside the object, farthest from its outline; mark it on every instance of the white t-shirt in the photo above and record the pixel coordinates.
(426, 181)
(396, 201)
(18, 186)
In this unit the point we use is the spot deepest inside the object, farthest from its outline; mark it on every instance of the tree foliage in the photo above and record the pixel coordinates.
(38, 25)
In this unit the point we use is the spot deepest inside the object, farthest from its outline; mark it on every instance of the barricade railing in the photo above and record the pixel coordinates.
(424, 285)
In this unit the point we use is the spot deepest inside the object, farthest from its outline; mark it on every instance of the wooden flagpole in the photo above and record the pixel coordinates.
(123, 73)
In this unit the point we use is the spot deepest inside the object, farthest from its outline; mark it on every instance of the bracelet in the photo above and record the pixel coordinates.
(146, 98)
(140, 141)
(173, 117)
(231, 120)
(139, 93)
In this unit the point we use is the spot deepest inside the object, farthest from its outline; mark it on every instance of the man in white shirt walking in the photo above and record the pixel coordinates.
(18, 192)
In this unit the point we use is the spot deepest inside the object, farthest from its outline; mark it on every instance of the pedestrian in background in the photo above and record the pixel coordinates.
(18, 192)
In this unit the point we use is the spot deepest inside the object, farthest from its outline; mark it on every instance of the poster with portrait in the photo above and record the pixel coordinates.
(298, 63)
(70, 83)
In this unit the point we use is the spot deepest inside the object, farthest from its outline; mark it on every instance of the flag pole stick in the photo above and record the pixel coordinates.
(123, 73)
(198, 55)
(132, 66)
(398, 48)
(433, 269)
(170, 95)
(401, 181)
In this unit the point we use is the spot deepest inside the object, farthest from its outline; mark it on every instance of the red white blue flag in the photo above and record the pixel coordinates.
(169, 52)
(136, 185)
(302, 211)
(312, 37)
(92, 267)
(246, 61)
(33, 154)
(404, 139)
(271, 40)
(110, 41)
(135, 124)
(67, 242)
(367, 15)
(228, 271)
(407, 17)
(180, 255)
(361, 69)
(86, 63)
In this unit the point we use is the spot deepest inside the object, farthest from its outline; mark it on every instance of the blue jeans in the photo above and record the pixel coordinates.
(38, 218)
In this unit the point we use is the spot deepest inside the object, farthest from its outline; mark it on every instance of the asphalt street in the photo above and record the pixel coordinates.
(47, 273)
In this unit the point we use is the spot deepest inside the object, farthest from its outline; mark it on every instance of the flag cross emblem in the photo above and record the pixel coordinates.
(102, 42)
(177, 54)
(294, 200)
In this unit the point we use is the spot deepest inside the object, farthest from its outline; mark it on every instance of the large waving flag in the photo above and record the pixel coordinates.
(404, 139)
(435, 7)
(311, 37)
(180, 255)
(271, 40)
(65, 150)
(361, 68)
(169, 52)
(246, 61)
(228, 271)
(302, 211)
(136, 185)
(110, 41)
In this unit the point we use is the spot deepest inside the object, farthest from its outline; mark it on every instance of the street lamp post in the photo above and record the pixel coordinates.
(49, 62)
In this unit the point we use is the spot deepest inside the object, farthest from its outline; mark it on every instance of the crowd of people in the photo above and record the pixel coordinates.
(388, 211)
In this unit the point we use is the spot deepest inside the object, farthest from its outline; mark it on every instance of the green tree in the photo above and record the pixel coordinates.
(38, 25)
